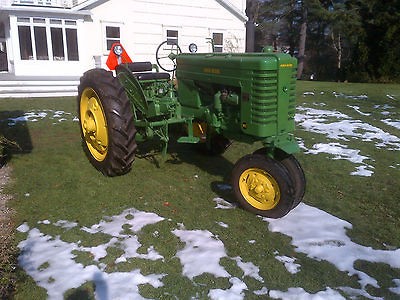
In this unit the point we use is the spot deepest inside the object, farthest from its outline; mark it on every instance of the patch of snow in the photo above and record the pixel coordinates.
(131, 218)
(248, 268)
(301, 294)
(392, 97)
(396, 290)
(396, 166)
(393, 123)
(38, 115)
(342, 95)
(261, 292)
(384, 106)
(289, 263)
(45, 222)
(202, 253)
(51, 261)
(340, 151)
(234, 293)
(345, 128)
(330, 242)
(362, 171)
(357, 293)
(65, 224)
(222, 224)
(223, 204)
(24, 227)
(357, 109)
(340, 127)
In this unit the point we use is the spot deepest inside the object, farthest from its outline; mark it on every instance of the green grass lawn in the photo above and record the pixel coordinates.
(53, 180)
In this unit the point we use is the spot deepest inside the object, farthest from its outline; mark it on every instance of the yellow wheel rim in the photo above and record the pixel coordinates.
(259, 189)
(94, 124)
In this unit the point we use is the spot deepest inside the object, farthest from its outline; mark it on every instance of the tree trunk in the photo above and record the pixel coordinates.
(302, 43)
(337, 45)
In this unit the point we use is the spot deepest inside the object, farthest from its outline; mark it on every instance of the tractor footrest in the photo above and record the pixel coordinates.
(188, 140)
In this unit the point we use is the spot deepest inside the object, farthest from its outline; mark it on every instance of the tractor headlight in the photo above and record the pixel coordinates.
(118, 50)
(193, 48)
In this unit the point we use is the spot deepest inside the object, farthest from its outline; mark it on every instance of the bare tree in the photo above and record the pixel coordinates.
(302, 41)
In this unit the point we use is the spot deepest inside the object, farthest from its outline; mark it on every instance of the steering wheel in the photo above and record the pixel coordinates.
(166, 53)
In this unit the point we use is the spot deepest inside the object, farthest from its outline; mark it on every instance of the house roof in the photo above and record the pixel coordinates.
(233, 9)
(43, 11)
(225, 3)
(88, 4)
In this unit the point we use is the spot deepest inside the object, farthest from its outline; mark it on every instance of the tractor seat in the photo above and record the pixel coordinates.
(143, 71)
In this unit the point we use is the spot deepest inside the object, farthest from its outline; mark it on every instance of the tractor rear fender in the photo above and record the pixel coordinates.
(133, 89)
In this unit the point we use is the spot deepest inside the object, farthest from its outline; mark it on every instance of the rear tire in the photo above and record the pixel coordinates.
(106, 123)
(262, 186)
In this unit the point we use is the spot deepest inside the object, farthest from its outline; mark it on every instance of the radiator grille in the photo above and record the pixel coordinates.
(292, 95)
(264, 101)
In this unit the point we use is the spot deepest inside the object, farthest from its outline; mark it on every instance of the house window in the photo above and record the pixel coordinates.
(25, 42)
(57, 43)
(47, 39)
(172, 37)
(3, 49)
(113, 35)
(72, 45)
(218, 42)
(41, 43)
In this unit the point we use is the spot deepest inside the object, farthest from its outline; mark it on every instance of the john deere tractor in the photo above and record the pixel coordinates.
(216, 98)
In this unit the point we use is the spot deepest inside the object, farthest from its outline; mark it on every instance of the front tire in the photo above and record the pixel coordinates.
(294, 169)
(106, 123)
(263, 186)
(296, 173)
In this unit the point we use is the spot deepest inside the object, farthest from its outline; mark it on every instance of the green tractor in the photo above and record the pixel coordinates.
(216, 98)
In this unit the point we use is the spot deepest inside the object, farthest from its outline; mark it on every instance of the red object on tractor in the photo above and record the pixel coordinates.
(117, 56)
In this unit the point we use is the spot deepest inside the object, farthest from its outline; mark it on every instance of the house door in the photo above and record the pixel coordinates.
(3, 49)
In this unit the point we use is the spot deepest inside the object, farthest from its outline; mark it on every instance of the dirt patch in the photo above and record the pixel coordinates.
(7, 245)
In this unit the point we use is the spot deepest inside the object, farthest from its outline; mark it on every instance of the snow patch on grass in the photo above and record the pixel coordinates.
(322, 236)
(289, 263)
(301, 294)
(52, 262)
(341, 129)
(39, 115)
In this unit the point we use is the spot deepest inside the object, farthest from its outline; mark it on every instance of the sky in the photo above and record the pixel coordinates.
(52, 262)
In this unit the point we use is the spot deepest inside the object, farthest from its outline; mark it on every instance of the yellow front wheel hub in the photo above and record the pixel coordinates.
(94, 124)
(259, 189)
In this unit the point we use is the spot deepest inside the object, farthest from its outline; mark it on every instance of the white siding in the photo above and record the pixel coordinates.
(144, 24)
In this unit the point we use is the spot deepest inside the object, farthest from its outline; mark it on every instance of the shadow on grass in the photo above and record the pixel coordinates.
(15, 135)
(197, 155)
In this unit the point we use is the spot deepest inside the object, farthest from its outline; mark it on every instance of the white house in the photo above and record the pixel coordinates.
(46, 45)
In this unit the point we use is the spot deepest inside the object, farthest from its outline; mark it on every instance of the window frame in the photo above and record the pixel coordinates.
(218, 48)
(36, 25)
(172, 36)
(109, 40)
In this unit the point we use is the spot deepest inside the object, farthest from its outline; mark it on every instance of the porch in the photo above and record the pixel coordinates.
(39, 86)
